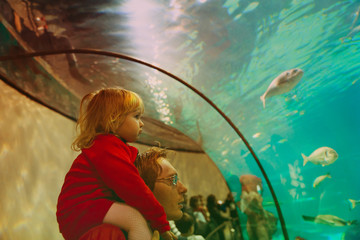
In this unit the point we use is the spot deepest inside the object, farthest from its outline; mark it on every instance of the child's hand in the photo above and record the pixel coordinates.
(168, 235)
(155, 235)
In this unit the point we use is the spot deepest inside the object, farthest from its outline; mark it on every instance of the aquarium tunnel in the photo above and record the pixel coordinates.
(258, 101)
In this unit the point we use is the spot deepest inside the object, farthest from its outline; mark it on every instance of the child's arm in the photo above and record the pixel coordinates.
(168, 235)
(118, 173)
(155, 235)
(128, 219)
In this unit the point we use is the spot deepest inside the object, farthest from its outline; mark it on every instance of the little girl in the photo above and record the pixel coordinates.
(103, 185)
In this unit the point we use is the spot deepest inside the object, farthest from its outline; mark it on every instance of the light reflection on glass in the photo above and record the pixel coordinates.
(159, 96)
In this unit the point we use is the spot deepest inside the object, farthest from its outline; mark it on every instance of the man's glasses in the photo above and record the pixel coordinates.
(173, 180)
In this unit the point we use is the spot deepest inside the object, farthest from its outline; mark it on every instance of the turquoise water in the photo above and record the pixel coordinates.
(322, 110)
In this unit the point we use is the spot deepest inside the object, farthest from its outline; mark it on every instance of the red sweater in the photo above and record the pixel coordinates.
(99, 176)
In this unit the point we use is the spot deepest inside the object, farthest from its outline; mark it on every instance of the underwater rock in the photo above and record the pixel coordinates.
(261, 224)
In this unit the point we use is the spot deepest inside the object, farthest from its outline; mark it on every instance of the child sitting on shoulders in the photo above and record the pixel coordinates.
(103, 184)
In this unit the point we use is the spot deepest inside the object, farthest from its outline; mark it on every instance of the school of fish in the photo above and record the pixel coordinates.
(323, 156)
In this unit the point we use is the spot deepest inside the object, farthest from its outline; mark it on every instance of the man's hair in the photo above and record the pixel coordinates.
(184, 224)
(148, 166)
(103, 112)
(211, 202)
(193, 201)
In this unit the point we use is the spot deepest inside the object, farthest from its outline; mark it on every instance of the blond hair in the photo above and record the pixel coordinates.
(103, 112)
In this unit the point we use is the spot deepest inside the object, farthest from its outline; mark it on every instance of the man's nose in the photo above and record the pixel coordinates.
(181, 188)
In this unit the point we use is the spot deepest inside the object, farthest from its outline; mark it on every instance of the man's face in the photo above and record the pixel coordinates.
(169, 195)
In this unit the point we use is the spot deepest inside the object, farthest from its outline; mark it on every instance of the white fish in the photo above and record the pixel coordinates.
(320, 179)
(266, 147)
(321, 156)
(283, 83)
(282, 140)
(256, 135)
(251, 7)
(305, 199)
(353, 203)
(329, 220)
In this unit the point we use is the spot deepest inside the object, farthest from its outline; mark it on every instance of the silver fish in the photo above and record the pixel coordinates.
(283, 83)
(353, 203)
(319, 179)
(329, 220)
(321, 156)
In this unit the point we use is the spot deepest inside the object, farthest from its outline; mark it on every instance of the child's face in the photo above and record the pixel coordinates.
(131, 127)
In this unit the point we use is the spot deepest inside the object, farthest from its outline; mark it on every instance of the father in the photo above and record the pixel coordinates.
(162, 179)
